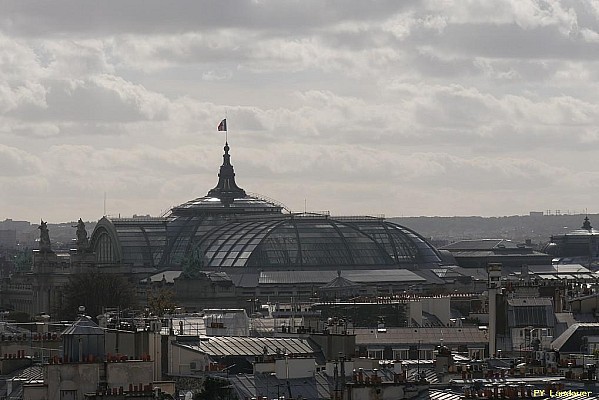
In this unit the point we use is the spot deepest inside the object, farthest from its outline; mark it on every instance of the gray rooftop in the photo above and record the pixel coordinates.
(481, 244)
(83, 326)
(530, 301)
(323, 277)
(571, 339)
(340, 283)
(428, 335)
(222, 346)
(266, 385)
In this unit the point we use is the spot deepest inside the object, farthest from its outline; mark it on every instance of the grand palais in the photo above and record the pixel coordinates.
(247, 241)
(231, 246)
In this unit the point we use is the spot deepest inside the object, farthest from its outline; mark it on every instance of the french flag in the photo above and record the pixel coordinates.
(223, 125)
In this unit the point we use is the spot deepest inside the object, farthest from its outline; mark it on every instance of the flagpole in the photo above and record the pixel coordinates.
(223, 127)
(226, 129)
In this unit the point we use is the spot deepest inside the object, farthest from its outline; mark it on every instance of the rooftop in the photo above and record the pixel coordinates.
(415, 336)
(223, 346)
(324, 277)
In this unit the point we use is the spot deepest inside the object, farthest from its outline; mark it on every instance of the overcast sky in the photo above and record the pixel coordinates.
(402, 108)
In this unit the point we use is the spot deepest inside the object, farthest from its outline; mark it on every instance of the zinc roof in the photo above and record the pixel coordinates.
(571, 339)
(428, 335)
(83, 326)
(529, 301)
(266, 385)
(323, 277)
(340, 283)
(222, 346)
(481, 244)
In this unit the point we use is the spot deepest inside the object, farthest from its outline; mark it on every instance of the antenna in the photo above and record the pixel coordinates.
(104, 204)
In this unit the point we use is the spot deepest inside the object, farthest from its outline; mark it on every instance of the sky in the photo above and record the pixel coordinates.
(401, 108)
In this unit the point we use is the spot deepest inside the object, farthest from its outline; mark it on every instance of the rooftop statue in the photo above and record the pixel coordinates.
(587, 224)
(193, 264)
(44, 237)
(82, 240)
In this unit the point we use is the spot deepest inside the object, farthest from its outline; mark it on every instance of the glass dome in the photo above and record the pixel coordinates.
(299, 241)
(229, 228)
(582, 242)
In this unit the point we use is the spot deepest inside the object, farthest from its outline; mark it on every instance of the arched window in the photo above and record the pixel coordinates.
(105, 251)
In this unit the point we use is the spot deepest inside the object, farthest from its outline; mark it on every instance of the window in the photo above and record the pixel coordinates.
(476, 354)
(426, 354)
(376, 354)
(401, 354)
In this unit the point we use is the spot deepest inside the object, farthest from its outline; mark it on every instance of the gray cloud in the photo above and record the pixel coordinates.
(401, 108)
(143, 16)
(16, 162)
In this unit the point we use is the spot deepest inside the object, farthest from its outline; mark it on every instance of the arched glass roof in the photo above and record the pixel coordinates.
(295, 241)
(582, 242)
(229, 228)
(134, 241)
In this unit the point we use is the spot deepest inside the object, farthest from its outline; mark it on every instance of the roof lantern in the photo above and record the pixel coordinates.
(227, 198)
(226, 189)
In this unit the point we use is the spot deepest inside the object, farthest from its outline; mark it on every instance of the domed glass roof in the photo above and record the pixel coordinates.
(229, 228)
(582, 242)
(307, 240)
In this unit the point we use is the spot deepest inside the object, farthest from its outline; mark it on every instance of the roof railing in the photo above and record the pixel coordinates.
(144, 218)
(377, 217)
(311, 215)
(269, 200)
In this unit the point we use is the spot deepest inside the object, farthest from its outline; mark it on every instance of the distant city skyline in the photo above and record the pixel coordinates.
(397, 108)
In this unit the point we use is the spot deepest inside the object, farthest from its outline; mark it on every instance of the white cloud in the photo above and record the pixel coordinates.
(590, 35)
(17, 162)
(527, 14)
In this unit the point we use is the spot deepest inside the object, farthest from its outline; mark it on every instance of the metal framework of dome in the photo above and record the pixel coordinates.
(229, 228)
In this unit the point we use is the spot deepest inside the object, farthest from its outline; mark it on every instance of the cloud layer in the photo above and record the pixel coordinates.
(398, 108)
